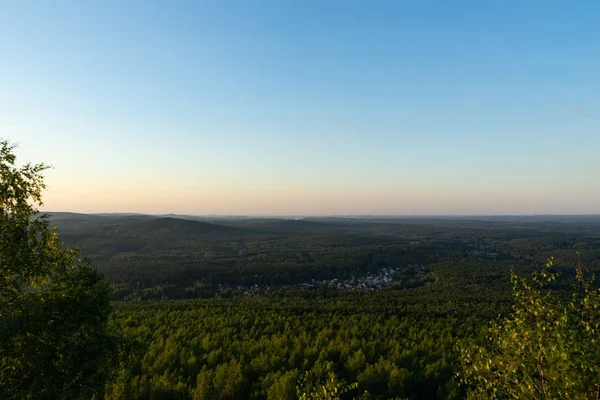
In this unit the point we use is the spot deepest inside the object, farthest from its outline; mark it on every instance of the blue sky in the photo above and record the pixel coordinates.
(307, 107)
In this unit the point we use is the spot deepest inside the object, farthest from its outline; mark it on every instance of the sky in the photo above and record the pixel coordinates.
(313, 107)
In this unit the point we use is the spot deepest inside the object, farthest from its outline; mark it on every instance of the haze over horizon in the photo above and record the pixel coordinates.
(306, 108)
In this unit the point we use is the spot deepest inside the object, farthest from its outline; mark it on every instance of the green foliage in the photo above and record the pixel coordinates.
(54, 342)
(226, 382)
(549, 347)
(391, 343)
(331, 389)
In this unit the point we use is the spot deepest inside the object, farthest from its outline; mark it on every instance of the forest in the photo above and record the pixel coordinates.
(251, 308)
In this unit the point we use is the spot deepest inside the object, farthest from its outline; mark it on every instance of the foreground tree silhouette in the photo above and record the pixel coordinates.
(549, 348)
(54, 306)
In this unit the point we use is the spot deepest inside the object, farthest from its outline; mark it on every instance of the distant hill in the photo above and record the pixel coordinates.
(74, 226)
(172, 227)
(70, 215)
(107, 239)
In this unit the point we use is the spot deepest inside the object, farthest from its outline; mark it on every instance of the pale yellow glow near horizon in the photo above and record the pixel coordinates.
(165, 198)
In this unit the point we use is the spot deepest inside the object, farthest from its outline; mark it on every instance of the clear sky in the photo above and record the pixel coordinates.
(306, 107)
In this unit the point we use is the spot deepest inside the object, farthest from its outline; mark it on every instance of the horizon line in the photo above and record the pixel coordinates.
(357, 215)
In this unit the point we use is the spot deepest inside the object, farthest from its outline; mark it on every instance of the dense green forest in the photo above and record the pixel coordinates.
(245, 308)
(155, 258)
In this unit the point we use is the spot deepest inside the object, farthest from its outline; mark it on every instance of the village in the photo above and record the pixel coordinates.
(371, 282)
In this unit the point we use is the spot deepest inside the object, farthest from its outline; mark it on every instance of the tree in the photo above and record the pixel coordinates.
(331, 389)
(284, 388)
(549, 348)
(54, 306)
